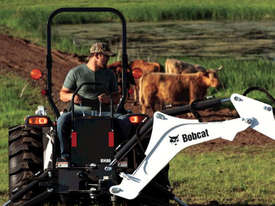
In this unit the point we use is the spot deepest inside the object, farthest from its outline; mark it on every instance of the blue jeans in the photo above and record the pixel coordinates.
(64, 127)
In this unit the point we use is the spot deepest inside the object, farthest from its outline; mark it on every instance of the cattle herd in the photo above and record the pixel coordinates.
(177, 83)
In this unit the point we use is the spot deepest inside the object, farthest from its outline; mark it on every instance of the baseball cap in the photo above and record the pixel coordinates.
(101, 47)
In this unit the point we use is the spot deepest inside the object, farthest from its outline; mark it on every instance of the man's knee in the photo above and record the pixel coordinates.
(63, 119)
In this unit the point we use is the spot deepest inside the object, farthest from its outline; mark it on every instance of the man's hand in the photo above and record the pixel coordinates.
(66, 96)
(77, 99)
(104, 98)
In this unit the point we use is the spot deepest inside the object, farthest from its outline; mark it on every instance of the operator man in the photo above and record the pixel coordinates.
(90, 98)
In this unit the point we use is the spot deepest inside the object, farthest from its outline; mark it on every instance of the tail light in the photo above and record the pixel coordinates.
(111, 142)
(137, 73)
(39, 121)
(74, 139)
(36, 74)
(136, 119)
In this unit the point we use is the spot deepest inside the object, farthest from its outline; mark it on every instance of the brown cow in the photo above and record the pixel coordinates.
(174, 66)
(174, 88)
(116, 67)
(142, 67)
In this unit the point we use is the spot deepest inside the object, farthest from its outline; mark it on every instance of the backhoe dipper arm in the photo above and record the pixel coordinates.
(170, 135)
(200, 105)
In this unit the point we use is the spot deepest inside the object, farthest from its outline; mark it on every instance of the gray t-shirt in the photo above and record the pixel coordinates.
(82, 73)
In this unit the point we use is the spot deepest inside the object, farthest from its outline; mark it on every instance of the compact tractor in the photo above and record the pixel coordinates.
(110, 165)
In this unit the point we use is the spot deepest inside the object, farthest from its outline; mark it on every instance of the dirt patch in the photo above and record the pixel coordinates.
(21, 56)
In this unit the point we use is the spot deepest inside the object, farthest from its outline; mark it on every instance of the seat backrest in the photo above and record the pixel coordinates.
(92, 141)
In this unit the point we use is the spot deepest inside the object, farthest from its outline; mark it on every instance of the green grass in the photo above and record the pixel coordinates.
(238, 75)
(28, 18)
(3, 165)
(14, 106)
(237, 175)
(241, 175)
(16, 102)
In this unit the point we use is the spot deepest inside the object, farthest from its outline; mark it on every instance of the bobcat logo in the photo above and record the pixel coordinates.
(161, 116)
(174, 140)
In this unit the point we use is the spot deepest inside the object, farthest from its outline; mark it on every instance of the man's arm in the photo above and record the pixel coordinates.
(66, 95)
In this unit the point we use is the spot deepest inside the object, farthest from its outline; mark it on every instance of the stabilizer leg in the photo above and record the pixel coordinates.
(171, 195)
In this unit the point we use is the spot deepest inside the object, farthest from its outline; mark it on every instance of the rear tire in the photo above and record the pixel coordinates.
(25, 159)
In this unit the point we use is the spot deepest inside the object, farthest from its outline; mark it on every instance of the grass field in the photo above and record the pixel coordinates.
(234, 176)
(238, 75)
(241, 176)
(28, 18)
(16, 103)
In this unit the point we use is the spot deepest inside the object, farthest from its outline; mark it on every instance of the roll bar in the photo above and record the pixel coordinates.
(120, 107)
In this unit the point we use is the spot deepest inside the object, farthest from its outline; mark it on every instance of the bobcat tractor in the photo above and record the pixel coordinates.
(110, 164)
